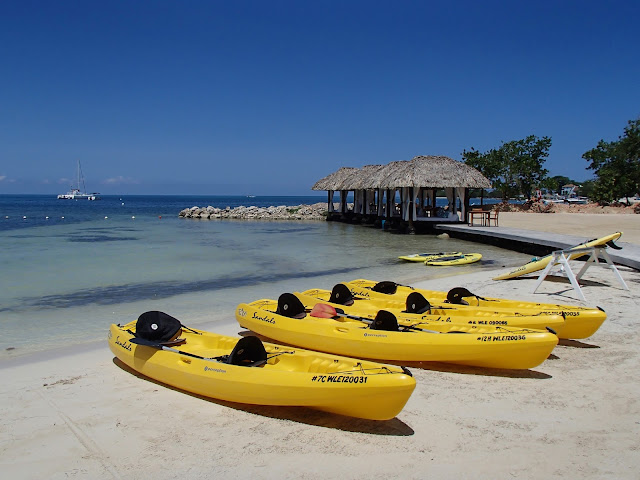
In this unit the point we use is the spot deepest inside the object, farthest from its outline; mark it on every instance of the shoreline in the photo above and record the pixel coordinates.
(76, 412)
(84, 413)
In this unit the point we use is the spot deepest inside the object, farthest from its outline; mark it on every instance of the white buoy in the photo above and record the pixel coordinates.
(62, 218)
(106, 218)
(133, 217)
(47, 217)
(122, 203)
(24, 216)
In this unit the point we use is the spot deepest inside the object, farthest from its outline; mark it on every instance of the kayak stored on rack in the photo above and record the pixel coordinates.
(540, 263)
(580, 322)
(288, 321)
(246, 370)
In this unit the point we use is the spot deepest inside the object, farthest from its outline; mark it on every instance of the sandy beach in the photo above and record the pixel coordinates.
(77, 414)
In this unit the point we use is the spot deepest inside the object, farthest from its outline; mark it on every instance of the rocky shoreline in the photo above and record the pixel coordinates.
(317, 211)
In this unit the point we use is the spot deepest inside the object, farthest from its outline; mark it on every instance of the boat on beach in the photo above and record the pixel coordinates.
(246, 370)
(579, 322)
(324, 328)
(417, 309)
(77, 193)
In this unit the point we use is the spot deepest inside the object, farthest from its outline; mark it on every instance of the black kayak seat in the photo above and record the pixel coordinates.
(157, 327)
(248, 351)
(290, 306)
(456, 296)
(385, 287)
(416, 303)
(341, 295)
(385, 321)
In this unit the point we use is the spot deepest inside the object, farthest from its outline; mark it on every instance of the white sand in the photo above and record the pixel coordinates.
(577, 415)
(593, 225)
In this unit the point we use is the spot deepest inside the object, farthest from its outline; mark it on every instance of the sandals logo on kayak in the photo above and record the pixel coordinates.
(263, 318)
(126, 345)
(359, 293)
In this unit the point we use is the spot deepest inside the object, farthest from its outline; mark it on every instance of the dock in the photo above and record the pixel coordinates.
(535, 243)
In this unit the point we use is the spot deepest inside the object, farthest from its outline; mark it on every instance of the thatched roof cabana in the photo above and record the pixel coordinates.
(375, 188)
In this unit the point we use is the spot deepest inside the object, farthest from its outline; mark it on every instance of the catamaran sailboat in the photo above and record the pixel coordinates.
(76, 193)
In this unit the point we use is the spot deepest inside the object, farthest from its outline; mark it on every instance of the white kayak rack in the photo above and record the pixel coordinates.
(596, 257)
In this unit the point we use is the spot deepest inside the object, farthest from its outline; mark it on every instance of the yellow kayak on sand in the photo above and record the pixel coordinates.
(462, 259)
(580, 322)
(420, 310)
(423, 257)
(245, 370)
(540, 263)
(288, 321)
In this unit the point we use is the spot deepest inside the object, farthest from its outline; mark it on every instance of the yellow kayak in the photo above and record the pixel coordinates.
(580, 322)
(288, 321)
(462, 259)
(540, 263)
(245, 370)
(423, 257)
(426, 313)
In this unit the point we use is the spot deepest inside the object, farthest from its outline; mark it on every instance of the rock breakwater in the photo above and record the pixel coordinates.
(317, 211)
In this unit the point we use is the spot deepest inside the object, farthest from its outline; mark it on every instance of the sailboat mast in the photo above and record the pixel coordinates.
(80, 175)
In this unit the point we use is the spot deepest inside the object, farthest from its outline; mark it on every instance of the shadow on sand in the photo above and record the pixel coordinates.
(308, 416)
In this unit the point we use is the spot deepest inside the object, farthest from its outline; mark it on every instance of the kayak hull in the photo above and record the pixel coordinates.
(499, 347)
(439, 313)
(423, 257)
(462, 259)
(291, 377)
(579, 322)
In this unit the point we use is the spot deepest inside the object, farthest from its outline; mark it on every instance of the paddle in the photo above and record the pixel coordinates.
(149, 343)
(322, 310)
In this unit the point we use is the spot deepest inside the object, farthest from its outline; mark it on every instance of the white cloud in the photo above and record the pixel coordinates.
(120, 180)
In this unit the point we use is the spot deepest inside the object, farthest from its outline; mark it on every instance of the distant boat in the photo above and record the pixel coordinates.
(77, 193)
(576, 200)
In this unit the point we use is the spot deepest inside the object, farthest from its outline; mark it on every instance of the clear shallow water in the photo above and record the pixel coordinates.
(64, 280)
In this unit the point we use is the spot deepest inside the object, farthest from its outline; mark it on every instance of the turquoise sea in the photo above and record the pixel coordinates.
(70, 268)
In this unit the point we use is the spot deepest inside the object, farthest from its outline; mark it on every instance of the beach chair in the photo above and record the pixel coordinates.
(492, 216)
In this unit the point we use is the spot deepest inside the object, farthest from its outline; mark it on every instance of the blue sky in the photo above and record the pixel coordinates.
(266, 97)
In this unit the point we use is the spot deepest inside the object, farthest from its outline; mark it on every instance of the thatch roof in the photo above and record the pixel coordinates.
(335, 180)
(422, 171)
(376, 178)
(435, 172)
(366, 177)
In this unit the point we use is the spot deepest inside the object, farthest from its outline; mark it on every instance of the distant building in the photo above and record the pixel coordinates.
(569, 190)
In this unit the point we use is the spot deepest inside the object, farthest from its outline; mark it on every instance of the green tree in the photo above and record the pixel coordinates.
(558, 181)
(515, 167)
(587, 187)
(616, 165)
